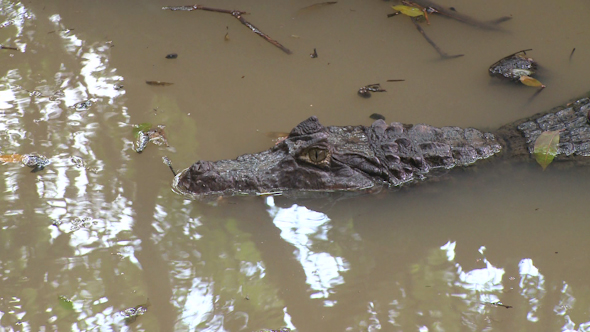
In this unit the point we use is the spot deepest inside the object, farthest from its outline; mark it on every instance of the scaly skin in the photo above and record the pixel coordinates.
(351, 158)
(519, 137)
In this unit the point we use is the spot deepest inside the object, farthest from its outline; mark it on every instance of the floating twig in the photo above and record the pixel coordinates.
(395, 80)
(160, 83)
(443, 54)
(254, 29)
(314, 54)
(168, 162)
(235, 13)
(320, 4)
(435, 8)
(571, 54)
(498, 304)
(8, 48)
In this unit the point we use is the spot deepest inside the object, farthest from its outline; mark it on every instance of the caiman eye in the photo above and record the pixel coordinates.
(317, 155)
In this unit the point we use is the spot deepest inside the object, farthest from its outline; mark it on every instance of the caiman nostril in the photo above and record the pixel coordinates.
(200, 167)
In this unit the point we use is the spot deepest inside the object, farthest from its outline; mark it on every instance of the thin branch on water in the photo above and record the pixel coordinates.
(451, 13)
(238, 15)
(443, 54)
(321, 4)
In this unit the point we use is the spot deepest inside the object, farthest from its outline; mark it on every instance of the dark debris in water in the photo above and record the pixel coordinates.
(366, 90)
(83, 105)
(514, 66)
(131, 314)
(145, 134)
(81, 163)
(36, 162)
(377, 116)
(141, 141)
(158, 83)
(80, 223)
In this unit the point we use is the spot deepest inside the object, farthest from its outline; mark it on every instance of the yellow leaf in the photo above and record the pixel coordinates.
(11, 158)
(409, 11)
(529, 81)
(546, 147)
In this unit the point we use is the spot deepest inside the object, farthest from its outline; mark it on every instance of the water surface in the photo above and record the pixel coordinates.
(99, 230)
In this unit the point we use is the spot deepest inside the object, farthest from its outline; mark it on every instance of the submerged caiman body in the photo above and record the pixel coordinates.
(314, 158)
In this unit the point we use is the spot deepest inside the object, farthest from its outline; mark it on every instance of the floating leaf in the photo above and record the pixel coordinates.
(143, 127)
(546, 147)
(409, 11)
(157, 136)
(65, 303)
(11, 158)
(529, 81)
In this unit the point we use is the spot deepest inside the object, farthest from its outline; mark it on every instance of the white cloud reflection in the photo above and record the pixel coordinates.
(304, 229)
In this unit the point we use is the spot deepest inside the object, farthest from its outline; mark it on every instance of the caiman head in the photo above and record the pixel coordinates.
(314, 158)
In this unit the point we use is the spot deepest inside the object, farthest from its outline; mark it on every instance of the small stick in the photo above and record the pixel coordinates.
(16, 49)
(200, 7)
(321, 4)
(168, 162)
(395, 80)
(314, 54)
(571, 54)
(440, 52)
(460, 17)
(254, 29)
(235, 13)
(160, 83)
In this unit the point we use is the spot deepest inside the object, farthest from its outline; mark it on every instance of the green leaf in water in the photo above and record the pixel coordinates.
(143, 127)
(409, 11)
(546, 147)
(65, 303)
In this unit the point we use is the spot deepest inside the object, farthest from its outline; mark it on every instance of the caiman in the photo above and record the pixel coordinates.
(314, 158)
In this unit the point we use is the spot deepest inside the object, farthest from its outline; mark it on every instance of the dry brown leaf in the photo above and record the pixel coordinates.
(529, 81)
(11, 158)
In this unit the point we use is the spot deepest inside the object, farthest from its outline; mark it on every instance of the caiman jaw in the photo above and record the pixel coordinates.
(246, 175)
(274, 171)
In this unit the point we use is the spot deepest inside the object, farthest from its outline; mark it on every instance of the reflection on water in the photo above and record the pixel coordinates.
(98, 233)
(306, 230)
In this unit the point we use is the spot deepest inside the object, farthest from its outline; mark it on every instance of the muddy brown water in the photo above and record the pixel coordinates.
(99, 230)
